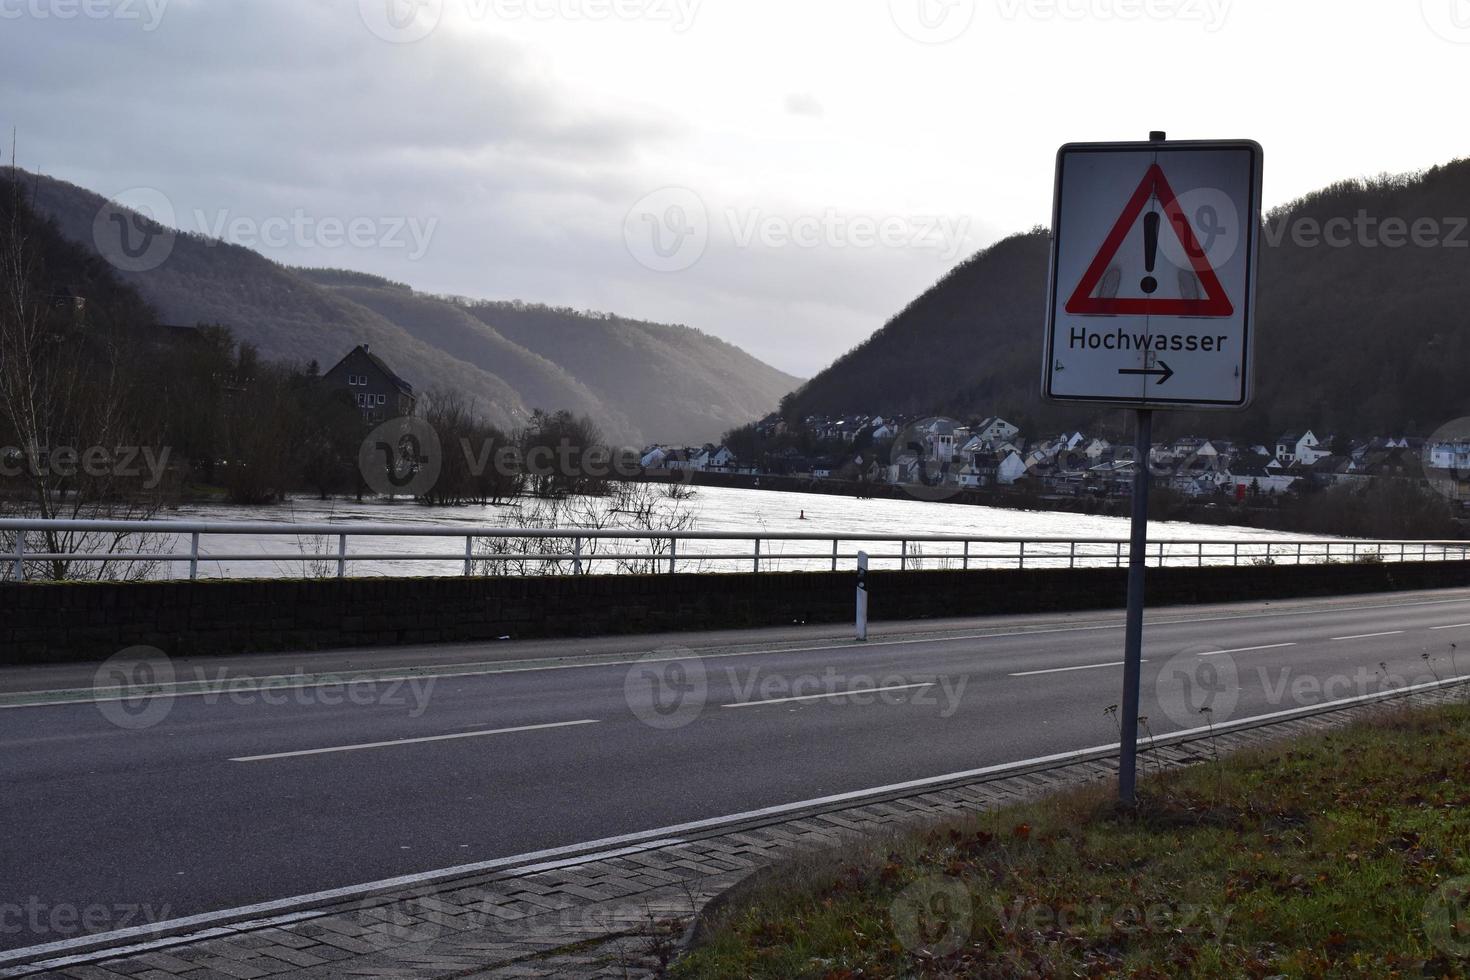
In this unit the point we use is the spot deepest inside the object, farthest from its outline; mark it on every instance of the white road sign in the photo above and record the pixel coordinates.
(1152, 288)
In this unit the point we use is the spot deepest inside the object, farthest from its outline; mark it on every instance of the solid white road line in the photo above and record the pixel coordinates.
(412, 741)
(1457, 626)
(833, 694)
(1063, 670)
(92, 696)
(643, 840)
(1369, 636)
(1273, 646)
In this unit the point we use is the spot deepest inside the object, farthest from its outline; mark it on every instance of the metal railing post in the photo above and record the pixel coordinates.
(1021, 556)
(342, 555)
(469, 555)
(757, 555)
(967, 556)
(194, 556)
(576, 556)
(834, 554)
(1235, 555)
(1201, 554)
(674, 555)
(1299, 552)
(1072, 556)
(903, 558)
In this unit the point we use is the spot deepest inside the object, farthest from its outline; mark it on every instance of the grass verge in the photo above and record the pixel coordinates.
(1346, 854)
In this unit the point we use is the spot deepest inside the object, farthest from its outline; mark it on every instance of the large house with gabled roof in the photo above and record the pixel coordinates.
(376, 389)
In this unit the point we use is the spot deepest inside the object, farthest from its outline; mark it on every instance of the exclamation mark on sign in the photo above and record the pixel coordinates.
(1150, 285)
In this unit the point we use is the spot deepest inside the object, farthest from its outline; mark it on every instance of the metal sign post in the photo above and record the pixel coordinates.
(1143, 420)
(862, 596)
(1151, 305)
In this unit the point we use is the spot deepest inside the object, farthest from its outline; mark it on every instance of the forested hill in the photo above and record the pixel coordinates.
(638, 382)
(685, 373)
(1367, 334)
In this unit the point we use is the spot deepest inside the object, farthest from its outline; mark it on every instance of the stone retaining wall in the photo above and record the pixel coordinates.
(50, 623)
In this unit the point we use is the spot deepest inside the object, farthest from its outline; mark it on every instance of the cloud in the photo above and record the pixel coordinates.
(525, 165)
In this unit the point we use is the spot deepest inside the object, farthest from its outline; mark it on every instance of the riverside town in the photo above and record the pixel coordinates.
(664, 490)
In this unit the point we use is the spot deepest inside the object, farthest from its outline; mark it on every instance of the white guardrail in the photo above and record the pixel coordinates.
(173, 547)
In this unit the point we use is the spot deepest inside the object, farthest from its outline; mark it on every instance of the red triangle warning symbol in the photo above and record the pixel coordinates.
(1212, 302)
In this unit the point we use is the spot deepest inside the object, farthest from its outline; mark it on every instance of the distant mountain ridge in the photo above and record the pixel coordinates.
(1359, 337)
(681, 385)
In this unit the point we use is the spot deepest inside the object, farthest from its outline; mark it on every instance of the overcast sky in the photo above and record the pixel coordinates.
(786, 174)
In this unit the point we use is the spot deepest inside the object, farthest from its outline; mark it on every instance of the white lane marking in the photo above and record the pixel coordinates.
(1369, 636)
(648, 839)
(412, 741)
(1457, 626)
(411, 673)
(1272, 646)
(834, 694)
(1063, 670)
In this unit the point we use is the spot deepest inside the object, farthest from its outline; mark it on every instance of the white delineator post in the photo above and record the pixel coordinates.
(862, 596)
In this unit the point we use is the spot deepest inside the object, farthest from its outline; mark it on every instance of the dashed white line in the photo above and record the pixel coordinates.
(1272, 646)
(1369, 636)
(412, 741)
(1456, 626)
(831, 694)
(1063, 670)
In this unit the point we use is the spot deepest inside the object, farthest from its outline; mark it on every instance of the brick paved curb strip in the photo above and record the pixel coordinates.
(626, 913)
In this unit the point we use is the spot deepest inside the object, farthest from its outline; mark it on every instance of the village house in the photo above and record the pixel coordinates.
(1300, 447)
(377, 391)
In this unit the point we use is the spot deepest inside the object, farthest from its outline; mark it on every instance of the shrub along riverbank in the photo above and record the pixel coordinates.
(1343, 855)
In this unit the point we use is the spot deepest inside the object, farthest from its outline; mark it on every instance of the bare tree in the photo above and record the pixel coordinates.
(65, 411)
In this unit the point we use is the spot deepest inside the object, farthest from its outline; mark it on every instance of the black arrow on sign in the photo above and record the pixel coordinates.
(1163, 372)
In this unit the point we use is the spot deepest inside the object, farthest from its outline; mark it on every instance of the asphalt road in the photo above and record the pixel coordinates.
(168, 806)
